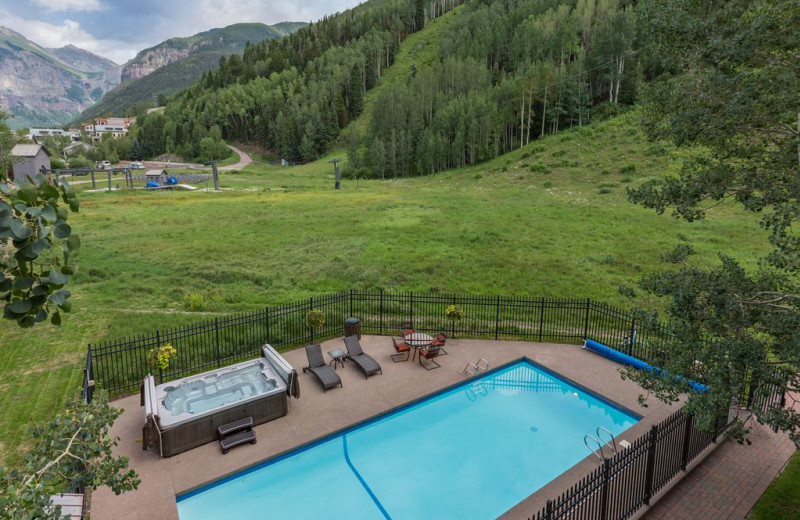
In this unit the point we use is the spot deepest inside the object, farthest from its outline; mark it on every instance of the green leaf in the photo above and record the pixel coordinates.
(49, 213)
(74, 205)
(20, 306)
(28, 193)
(61, 230)
(56, 278)
(60, 296)
(33, 211)
(6, 285)
(19, 230)
(55, 319)
(66, 306)
(49, 191)
(73, 243)
(24, 283)
(40, 316)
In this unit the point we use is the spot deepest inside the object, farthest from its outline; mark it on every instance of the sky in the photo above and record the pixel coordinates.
(118, 29)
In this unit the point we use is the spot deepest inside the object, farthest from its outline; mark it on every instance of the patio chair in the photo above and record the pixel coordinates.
(401, 348)
(407, 327)
(316, 364)
(430, 352)
(356, 354)
(439, 341)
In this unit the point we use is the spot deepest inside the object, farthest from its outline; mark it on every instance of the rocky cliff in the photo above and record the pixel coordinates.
(227, 40)
(41, 90)
(177, 63)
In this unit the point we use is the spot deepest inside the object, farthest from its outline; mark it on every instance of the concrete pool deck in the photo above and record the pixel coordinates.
(317, 414)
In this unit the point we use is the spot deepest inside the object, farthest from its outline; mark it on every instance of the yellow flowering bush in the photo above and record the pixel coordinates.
(161, 357)
(454, 313)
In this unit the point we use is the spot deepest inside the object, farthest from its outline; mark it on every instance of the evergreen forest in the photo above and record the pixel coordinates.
(504, 73)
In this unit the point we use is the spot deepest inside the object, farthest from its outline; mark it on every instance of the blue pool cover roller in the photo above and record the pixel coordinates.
(619, 357)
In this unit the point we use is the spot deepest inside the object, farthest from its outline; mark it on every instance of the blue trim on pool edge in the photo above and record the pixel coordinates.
(384, 415)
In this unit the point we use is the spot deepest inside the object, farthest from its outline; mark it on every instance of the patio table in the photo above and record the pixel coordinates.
(417, 340)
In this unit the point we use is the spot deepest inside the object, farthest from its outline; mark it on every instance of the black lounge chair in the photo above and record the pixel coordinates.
(355, 354)
(430, 352)
(316, 363)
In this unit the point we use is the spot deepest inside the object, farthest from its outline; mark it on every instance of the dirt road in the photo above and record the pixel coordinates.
(244, 160)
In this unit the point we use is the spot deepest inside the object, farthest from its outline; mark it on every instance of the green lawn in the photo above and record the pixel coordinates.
(781, 500)
(155, 259)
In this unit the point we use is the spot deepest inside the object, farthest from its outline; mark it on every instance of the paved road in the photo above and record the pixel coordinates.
(244, 160)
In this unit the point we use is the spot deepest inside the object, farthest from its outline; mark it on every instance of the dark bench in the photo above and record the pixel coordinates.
(236, 433)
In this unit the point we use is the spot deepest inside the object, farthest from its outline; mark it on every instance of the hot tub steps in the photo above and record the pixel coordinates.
(236, 433)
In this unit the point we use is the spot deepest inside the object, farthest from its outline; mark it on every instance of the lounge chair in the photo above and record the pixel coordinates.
(430, 352)
(316, 364)
(356, 354)
(401, 348)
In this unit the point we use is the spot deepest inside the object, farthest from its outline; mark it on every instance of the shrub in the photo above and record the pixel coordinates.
(605, 191)
(315, 319)
(628, 168)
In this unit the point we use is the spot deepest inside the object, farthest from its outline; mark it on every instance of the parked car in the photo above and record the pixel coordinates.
(136, 166)
(104, 165)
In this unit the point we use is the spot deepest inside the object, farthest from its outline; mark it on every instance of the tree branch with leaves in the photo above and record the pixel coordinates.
(36, 243)
(72, 452)
(734, 95)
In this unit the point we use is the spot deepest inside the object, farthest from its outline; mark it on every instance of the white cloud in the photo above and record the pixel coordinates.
(68, 32)
(69, 5)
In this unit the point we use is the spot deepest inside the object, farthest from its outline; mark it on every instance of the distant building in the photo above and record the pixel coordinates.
(28, 160)
(116, 126)
(47, 132)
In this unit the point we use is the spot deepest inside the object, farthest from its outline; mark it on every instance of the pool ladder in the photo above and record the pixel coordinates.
(477, 367)
(601, 443)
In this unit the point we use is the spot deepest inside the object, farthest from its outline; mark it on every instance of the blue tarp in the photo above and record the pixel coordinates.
(624, 359)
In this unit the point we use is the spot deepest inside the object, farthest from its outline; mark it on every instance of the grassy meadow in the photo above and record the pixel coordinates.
(550, 219)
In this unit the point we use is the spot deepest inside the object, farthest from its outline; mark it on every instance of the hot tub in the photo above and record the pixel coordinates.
(185, 413)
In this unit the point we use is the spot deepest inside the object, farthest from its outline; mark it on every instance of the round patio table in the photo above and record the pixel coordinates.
(417, 340)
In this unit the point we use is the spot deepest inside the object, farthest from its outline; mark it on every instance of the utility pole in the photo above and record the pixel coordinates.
(335, 163)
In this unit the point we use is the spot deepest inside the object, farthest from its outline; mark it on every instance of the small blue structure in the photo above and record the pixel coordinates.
(172, 181)
(152, 184)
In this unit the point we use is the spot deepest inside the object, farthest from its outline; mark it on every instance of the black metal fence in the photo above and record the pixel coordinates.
(629, 479)
(119, 366)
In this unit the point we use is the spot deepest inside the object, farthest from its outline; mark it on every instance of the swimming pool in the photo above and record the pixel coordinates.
(470, 452)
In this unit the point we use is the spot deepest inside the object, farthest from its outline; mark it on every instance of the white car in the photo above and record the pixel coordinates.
(104, 165)
(136, 166)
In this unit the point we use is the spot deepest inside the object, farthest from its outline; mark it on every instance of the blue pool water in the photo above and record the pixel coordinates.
(471, 452)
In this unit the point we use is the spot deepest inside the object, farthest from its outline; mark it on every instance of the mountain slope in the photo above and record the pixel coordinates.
(178, 62)
(38, 88)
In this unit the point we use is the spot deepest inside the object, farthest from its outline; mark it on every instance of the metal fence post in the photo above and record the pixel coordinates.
(310, 308)
(351, 302)
(548, 510)
(380, 312)
(453, 322)
(586, 320)
(632, 336)
(604, 491)
(216, 340)
(541, 319)
(266, 314)
(497, 319)
(649, 471)
(411, 307)
(687, 436)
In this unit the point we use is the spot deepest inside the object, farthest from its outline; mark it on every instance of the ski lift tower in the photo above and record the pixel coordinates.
(335, 163)
(213, 165)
